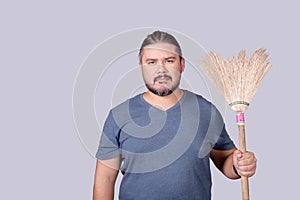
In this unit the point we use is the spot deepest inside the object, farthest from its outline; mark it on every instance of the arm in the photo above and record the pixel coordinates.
(105, 177)
(225, 161)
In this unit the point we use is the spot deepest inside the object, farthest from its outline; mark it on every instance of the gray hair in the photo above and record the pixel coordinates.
(160, 37)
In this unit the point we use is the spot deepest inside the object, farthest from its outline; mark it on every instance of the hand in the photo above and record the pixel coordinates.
(245, 163)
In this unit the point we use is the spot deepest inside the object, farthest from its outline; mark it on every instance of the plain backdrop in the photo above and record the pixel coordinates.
(44, 43)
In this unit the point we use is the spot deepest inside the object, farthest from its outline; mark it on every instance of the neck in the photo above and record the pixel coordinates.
(163, 102)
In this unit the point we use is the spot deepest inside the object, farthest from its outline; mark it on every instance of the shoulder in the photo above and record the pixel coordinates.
(127, 104)
(205, 106)
(123, 112)
(201, 100)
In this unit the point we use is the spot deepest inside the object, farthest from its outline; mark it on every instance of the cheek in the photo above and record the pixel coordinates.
(179, 69)
(147, 74)
(176, 73)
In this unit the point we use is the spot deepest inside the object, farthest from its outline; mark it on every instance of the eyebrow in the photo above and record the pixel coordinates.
(150, 59)
(167, 58)
(171, 57)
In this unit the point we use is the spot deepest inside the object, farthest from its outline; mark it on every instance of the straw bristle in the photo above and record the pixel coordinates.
(237, 78)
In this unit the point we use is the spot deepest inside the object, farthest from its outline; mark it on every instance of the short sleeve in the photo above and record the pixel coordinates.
(224, 142)
(109, 146)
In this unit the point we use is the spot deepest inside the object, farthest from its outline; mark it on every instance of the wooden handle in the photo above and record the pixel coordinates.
(242, 141)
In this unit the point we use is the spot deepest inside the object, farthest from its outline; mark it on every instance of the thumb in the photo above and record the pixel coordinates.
(237, 154)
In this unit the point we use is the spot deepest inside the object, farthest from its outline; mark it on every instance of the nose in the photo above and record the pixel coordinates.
(161, 68)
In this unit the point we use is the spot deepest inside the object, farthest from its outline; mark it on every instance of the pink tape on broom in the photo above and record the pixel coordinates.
(240, 118)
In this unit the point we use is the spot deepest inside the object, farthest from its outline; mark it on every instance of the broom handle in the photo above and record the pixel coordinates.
(244, 179)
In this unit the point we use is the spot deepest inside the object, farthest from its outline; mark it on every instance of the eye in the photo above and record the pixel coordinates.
(171, 60)
(151, 63)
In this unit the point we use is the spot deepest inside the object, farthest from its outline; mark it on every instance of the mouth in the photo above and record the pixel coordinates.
(162, 79)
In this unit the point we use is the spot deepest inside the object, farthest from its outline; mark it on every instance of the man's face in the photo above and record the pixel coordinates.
(161, 68)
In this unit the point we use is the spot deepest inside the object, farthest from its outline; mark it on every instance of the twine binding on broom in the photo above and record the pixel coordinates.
(239, 102)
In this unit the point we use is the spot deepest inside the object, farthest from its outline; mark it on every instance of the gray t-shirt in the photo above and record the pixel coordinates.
(165, 154)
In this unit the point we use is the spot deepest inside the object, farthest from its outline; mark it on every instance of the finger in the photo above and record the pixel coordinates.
(247, 161)
(247, 168)
(248, 155)
(247, 174)
(238, 154)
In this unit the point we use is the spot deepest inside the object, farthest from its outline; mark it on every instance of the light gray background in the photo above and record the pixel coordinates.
(43, 44)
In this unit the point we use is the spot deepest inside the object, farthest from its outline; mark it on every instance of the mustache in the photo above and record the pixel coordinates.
(162, 76)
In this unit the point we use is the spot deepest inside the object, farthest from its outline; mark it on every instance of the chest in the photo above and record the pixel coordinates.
(165, 139)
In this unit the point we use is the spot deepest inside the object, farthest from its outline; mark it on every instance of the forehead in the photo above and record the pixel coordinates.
(162, 49)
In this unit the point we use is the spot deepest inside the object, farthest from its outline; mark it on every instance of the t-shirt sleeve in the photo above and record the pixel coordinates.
(224, 142)
(109, 146)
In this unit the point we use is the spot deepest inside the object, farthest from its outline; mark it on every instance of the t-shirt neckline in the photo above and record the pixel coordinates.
(181, 100)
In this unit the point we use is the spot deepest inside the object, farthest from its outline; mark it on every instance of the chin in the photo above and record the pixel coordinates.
(161, 91)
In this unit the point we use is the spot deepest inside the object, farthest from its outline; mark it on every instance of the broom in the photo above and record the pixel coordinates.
(237, 79)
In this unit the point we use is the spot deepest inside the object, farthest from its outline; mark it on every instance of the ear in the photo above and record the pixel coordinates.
(182, 63)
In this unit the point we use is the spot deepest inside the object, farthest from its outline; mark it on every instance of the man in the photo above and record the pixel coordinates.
(155, 138)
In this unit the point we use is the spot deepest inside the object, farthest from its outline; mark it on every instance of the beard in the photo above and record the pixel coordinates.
(165, 91)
